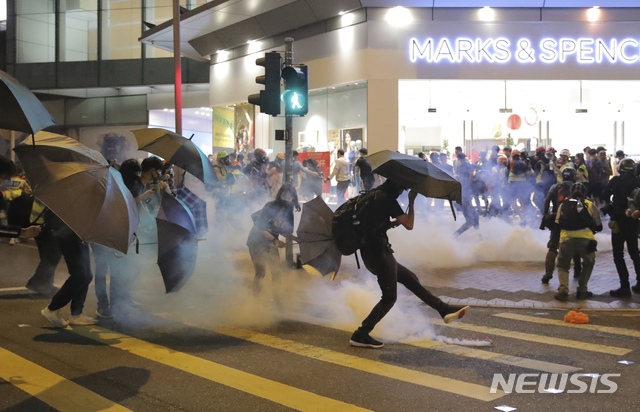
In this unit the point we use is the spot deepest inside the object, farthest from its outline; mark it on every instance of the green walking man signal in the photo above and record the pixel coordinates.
(296, 94)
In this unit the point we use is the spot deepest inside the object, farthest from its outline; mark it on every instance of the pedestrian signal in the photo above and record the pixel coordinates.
(296, 94)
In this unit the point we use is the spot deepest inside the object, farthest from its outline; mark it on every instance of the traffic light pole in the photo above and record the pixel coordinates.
(288, 142)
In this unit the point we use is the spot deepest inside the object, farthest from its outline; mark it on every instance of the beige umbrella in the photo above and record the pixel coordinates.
(80, 187)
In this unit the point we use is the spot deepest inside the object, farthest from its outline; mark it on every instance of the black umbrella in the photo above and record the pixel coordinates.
(416, 174)
(177, 150)
(177, 242)
(20, 109)
(317, 249)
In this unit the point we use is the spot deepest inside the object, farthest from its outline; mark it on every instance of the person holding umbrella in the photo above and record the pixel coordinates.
(273, 220)
(8, 169)
(378, 258)
(74, 290)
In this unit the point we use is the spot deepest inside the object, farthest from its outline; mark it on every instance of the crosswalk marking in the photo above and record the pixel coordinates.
(469, 352)
(267, 389)
(597, 328)
(349, 361)
(428, 380)
(52, 389)
(495, 357)
(549, 340)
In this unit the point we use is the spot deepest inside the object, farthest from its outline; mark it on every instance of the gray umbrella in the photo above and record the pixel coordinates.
(314, 236)
(80, 187)
(20, 109)
(416, 174)
(177, 150)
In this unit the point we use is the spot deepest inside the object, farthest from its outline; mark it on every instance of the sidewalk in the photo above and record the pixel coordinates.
(518, 285)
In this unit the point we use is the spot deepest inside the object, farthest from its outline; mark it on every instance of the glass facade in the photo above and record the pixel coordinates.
(120, 22)
(78, 30)
(35, 31)
(121, 28)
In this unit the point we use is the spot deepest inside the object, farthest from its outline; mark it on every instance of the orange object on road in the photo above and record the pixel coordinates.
(576, 317)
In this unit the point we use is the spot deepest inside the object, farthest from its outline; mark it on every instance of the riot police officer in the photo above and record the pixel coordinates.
(623, 228)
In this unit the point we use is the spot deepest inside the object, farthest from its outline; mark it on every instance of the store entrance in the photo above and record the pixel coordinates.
(477, 114)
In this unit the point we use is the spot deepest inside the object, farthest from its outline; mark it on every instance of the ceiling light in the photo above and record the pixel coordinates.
(399, 16)
(341, 13)
(593, 14)
(348, 19)
(486, 14)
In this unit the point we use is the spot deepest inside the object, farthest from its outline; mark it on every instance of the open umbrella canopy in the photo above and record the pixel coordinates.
(177, 150)
(20, 109)
(317, 249)
(416, 174)
(177, 242)
(78, 185)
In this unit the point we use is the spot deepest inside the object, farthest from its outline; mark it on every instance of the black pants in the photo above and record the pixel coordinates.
(628, 234)
(76, 255)
(379, 260)
(50, 256)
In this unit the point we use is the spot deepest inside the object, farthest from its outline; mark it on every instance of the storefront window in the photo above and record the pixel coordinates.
(78, 30)
(121, 29)
(476, 114)
(35, 31)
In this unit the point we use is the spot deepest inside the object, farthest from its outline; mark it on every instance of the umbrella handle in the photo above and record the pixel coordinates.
(452, 210)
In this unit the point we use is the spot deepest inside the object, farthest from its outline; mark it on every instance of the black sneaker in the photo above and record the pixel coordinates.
(561, 296)
(452, 313)
(584, 295)
(621, 293)
(546, 278)
(636, 288)
(361, 339)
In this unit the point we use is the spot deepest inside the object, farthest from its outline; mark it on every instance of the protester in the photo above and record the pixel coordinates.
(8, 169)
(378, 258)
(49, 253)
(74, 290)
(273, 220)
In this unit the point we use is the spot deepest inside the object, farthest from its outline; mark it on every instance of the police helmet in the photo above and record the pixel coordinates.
(568, 173)
(260, 156)
(627, 165)
(578, 190)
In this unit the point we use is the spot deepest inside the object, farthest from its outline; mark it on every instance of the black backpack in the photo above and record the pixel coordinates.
(350, 222)
(575, 215)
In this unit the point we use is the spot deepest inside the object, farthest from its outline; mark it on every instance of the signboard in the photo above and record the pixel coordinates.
(324, 160)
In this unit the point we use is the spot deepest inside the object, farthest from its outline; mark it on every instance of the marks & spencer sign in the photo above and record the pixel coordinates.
(547, 50)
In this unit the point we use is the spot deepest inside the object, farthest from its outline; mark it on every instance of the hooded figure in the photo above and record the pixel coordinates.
(273, 220)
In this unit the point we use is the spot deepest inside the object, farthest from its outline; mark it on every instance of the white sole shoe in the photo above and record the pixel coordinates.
(459, 314)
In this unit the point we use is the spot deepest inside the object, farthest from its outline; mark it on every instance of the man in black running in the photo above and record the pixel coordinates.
(378, 258)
